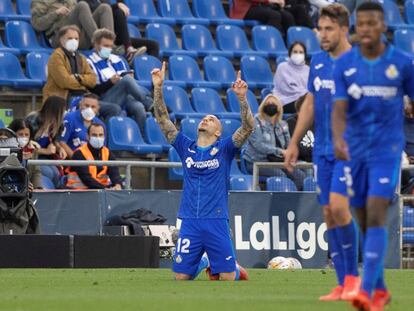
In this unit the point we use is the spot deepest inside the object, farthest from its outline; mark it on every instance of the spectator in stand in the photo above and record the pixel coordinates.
(24, 134)
(115, 84)
(76, 124)
(269, 141)
(306, 144)
(300, 9)
(291, 78)
(51, 15)
(133, 46)
(407, 176)
(94, 177)
(47, 125)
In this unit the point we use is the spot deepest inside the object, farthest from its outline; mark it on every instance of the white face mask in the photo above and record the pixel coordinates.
(298, 58)
(23, 141)
(71, 45)
(105, 52)
(97, 142)
(88, 114)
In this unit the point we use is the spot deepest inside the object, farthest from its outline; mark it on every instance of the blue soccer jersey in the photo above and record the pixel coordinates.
(374, 90)
(206, 177)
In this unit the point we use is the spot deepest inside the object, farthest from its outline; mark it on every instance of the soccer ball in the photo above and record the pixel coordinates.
(278, 263)
(294, 263)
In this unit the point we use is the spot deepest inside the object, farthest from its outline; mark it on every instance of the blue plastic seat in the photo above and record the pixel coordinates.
(167, 40)
(21, 35)
(154, 135)
(189, 127)
(280, 184)
(408, 217)
(23, 9)
(124, 135)
(178, 102)
(268, 39)
(11, 73)
(281, 59)
(409, 11)
(198, 38)
(264, 92)
(6, 49)
(219, 69)
(241, 183)
(180, 11)
(256, 72)
(229, 127)
(143, 11)
(143, 65)
(7, 12)
(208, 101)
(133, 31)
(233, 103)
(175, 173)
(403, 39)
(232, 38)
(36, 65)
(184, 69)
(234, 169)
(309, 184)
(213, 10)
(392, 15)
(306, 36)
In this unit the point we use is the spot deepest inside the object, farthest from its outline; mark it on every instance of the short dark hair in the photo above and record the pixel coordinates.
(65, 29)
(102, 33)
(294, 44)
(21, 124)
(370, 6)
(337, 12)
(90, 95)
(94, 124)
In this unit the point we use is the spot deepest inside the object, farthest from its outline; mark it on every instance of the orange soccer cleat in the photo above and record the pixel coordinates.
(334, 295)
(361, 302)
(243, 275)
(380, 299)
(352, 285)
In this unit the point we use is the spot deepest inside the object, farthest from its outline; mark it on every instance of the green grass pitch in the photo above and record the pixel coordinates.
(140, 289)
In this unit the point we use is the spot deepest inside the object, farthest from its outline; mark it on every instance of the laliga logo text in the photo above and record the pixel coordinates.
(304, 238)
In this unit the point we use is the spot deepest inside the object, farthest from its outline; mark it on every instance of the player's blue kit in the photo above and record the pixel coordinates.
(203, 208)
(374, 90)
(328, 172)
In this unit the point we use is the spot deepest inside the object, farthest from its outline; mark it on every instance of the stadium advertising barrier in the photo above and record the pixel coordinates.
(264, 224)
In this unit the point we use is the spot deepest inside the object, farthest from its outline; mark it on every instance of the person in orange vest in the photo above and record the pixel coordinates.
(94, 177)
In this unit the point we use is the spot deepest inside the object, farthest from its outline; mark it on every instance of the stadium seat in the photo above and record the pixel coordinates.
(280, 184)
(234, 169)
(241, 183)
(175, 173)
(256, 72)
(264, 92)
(213, 10)
(11, 73)
(20, 35)
(154, 135)
(281, 59)
(36, 65)
(167, 40)
(47, 184)
(229, 127)
(403, 39)
(143, 11)
(178, 102)
(408, 222)
(198, 38)
(189, 127)
(219, 69)
(208, 101)
(7, 12)
(233, 39)
(309, 184)
(124, 135)
(233, 103)
(306, 36)
(143, 65)
(268, 39)
(184, 69)
(409, 11)
(23, 9)
(392, 15)
(5, 49)
(180, 11)
(134, 31)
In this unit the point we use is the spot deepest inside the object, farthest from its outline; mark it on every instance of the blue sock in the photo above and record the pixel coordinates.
(374, 252)
(381, 282)
(204, 263)
(348, 237)
(335, 251)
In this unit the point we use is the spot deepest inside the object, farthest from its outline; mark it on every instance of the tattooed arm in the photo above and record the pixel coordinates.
(160, 109)
(243, 132)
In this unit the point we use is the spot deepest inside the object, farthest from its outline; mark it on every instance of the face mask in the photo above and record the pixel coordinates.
(105, 52)
(270, 110)
(88, 114)
(71, 45)
(23, 141)
(97, 142)
(298, 58)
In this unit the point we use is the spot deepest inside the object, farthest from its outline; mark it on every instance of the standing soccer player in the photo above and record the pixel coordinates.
(206, 165)
(333, 27)
(367, 123)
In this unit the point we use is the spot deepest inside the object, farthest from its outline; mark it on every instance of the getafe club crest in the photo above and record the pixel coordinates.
(214, 151)
(391, 72)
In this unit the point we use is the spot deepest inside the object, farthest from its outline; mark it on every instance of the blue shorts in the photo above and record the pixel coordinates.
(329, 176)
(204, 235)
(374, 178)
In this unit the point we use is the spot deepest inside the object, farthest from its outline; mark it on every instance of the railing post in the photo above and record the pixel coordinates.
(255, 176)
(128, 177)
(152, 176)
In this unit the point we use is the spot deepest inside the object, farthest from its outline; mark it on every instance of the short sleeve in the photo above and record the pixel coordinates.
(408, 76)
(181, 143)
(340, 90)
(67, 130)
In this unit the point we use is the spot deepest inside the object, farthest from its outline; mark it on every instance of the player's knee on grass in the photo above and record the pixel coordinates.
(376, 211)
(228, 276)
(327, 216)
(339, 205)
(182, 277)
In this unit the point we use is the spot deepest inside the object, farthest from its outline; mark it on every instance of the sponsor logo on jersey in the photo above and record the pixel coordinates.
(319, 84)
(385, 92)
(209, 164)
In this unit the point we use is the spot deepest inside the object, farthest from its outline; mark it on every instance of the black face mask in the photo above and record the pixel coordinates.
(270, 110)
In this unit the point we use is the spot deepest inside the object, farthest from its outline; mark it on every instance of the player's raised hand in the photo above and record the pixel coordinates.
(291, 157)
(341, 150)
(158, 75)
(239, 86)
